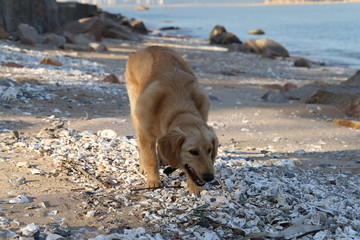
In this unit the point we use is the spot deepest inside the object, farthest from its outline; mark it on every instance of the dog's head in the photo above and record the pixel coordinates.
(191, 148)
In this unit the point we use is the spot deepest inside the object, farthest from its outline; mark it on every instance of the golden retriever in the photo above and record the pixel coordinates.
(169, 111)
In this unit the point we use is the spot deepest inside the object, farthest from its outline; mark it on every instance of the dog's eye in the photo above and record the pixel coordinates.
(209, 150)
(194, 152)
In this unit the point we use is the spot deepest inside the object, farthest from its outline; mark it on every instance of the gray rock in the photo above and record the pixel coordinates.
(55, 40)
(219, 35)
(29, 35)
(302, 62)
(267, 48)
(353, 80)
(138, 26)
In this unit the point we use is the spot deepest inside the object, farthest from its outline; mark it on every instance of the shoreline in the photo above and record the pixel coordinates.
(338, 56)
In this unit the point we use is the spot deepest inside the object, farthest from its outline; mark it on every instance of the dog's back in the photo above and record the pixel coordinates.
(159, 61)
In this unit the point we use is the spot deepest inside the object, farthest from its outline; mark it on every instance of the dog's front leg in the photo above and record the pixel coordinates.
(148, 160)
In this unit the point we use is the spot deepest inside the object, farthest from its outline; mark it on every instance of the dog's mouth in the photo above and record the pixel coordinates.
(194, 177)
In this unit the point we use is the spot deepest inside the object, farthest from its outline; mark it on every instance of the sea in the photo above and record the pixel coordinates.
(326, 33)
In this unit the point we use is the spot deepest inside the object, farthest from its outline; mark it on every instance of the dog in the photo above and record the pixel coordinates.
(169, 111)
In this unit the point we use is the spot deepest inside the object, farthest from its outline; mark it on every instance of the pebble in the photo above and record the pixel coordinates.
(18, 181)
(23, 165)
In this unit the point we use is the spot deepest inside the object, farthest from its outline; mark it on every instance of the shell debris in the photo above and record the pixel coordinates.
(250, 199)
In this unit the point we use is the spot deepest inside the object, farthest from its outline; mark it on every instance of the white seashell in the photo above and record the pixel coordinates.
(107, 133)
(90, 213)
(36, 171)
(30, 230)
(54, 237)
(4, 222)
(20, 199)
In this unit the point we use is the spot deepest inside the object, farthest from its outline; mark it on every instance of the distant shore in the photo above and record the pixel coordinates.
(266, 3)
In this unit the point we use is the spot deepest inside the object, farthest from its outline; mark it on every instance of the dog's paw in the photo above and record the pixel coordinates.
(193, 188)
(142, 169)
(153, 183)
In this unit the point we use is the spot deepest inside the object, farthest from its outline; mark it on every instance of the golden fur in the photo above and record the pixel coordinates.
(169, 111)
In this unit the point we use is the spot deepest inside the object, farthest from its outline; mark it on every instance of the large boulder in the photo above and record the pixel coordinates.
(29, 35)
(113, 29)
(219, 35)
(41, 14)
(92, 25)
(347, 103)
(55, 40)
(138, 26)
(267, 48)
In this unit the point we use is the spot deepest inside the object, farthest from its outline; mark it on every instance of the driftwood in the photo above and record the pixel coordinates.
(347, 123)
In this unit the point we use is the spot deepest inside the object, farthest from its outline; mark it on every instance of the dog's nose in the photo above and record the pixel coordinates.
(208, 177)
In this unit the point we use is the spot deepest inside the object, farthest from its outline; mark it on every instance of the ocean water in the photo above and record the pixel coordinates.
(328, 33)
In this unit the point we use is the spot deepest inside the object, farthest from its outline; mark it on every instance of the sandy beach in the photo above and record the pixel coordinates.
(52, 135)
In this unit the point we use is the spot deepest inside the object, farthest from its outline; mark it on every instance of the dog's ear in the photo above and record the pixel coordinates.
(169, 147)
(215, 145)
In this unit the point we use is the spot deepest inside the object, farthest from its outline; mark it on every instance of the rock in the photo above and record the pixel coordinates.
(93, 26)
(238, 47)
(98, 47)
(79, 48)
(55, 40)
(118, 31)
(256, 32)
(12, 65)
(111, 78)
(353, 80)
(347, 103)
(219, 35)
(73, 11)
(267, 48)
(23, 165)
(218, 29)
(225, 38)
(168, 28)
(3, 33)
(119, 34)
(141, 8)
(204, 224)
(18, 181)
(302, 62)
(50, 61)
(138, 26)
(28, 35)
(286, 87)
(83, 38)
(41, 14)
